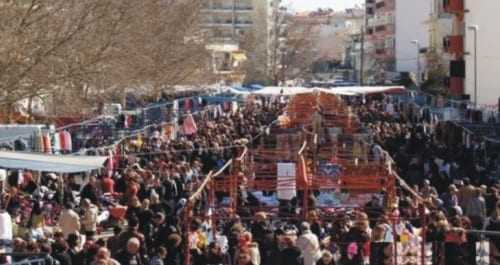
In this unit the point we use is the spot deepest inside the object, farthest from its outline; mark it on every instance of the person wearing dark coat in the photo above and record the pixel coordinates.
(131, 254)
(291, 254)
(90, 191)
(60, 253)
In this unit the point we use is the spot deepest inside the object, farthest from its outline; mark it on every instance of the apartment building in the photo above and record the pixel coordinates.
(229, 24)
(459, 29)
(481, 34)
(380, 52)
(411, 36)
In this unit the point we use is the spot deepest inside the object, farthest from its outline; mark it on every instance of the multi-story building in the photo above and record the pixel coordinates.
(411, 36)
(446, 44)
(230, 25)
(379, 47)
(332, 31)
(455, 26)
(483, 39)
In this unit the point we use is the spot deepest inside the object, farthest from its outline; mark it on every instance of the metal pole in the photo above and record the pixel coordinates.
(418, 65)
(362, 66)
(475, 68)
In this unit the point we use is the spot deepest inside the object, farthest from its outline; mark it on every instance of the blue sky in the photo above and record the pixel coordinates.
(308, 5)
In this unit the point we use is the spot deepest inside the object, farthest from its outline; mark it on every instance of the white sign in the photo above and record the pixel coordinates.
(286, 186)
(483, 253)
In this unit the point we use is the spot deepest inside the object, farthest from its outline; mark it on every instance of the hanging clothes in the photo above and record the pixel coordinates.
(468, 141)
(139, 141)
(37, 141)
(220, 111)
(169, 131)
(175, 129)
(175, 106)
(110, 165)
(65, 141)
(227, 106)
(47, 145)
(234, 107)
(188, 105)
(189, 125)
(127, 120)
(56, 144)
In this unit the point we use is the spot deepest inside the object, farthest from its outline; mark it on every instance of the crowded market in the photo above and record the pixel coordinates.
(363, 175)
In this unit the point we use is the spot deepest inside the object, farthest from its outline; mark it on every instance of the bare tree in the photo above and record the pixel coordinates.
(290, 49)
(80, 52)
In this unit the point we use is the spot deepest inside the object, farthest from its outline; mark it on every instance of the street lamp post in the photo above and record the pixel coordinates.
(417, 43)
(475, 28)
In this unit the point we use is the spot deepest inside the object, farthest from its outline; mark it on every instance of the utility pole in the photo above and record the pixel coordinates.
(475, 28)
(362, 66)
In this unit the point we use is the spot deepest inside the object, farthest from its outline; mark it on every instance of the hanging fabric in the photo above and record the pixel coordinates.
(65, 141)
(110, 164)
(47, 145)
(169, 131)
(175, 107)
(234, 107)
(38, 141)
(126, 121)
(227, 106)
(187, 105)
(189, 125)
(56, 144)
(139, 141)
(219, 110)
(175, 129)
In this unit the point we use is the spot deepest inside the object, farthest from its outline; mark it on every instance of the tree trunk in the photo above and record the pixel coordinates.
(30, 108)
(124, 98)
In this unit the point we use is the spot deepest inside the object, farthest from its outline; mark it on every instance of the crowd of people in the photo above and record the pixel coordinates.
(455, 174)
(134, 215)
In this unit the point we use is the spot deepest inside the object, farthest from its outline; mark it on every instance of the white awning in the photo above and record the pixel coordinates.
(345, 91)
(50, 163)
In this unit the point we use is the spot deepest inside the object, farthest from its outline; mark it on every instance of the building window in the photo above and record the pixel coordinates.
(369, 31)
(446, 43)
(380, 28)
(380, 5)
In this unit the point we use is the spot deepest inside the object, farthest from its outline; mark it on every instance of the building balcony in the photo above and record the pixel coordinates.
(456, 86)
(454, 44)
(383, 53)
(228, 23)
(453, 6)
(381, 20)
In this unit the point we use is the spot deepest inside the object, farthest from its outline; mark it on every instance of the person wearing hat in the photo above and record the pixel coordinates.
(308, 243)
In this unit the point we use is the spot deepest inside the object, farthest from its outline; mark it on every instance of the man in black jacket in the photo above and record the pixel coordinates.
(131, 255)
(291, 254)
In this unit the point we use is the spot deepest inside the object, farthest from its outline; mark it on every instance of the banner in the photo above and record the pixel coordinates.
(330, 170)
(286, 186)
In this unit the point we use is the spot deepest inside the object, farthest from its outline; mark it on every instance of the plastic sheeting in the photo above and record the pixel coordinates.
(50, 163)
